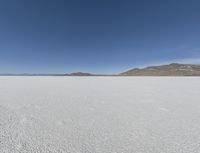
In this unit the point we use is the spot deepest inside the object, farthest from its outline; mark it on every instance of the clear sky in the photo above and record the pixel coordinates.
(99, 36)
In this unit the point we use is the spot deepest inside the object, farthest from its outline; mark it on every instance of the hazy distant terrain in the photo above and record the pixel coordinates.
(99, 114)
(173, 69)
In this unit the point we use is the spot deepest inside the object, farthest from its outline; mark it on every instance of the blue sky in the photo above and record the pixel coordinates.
(99, 36)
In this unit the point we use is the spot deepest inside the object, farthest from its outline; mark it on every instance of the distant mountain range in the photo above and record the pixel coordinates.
(173, 69)
(80, 74)
(66, 74)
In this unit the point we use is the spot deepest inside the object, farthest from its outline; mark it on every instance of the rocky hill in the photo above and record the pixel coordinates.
(173, 69)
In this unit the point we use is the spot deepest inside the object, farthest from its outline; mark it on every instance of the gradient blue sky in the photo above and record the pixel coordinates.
(99, 36)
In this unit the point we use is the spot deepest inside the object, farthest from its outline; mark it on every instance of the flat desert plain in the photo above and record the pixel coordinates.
(99, 114)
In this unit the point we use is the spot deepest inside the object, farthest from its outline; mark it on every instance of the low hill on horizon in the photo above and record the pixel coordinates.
(80, 74)
(173, 69)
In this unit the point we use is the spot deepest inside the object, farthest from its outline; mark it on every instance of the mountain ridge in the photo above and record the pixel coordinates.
(173, 69)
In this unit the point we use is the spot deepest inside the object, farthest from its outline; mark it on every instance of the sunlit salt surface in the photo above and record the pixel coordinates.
(99, 115)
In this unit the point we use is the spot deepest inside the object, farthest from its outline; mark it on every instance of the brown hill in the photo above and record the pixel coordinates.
(80, 74)
(173, 69)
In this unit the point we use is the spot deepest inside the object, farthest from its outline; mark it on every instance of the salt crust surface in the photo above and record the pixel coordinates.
(99, 115)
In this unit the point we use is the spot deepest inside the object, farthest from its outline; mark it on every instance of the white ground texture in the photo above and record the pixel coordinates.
(99, 115)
